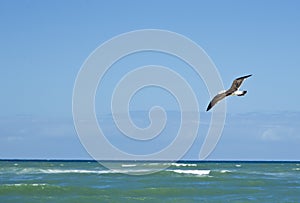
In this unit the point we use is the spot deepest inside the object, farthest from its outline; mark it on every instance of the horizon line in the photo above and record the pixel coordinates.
(184, 160)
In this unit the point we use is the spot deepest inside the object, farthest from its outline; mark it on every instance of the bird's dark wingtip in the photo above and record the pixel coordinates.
(244, 77)
(209, 107)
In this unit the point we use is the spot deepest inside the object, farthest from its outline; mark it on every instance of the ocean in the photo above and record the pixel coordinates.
(89, 181)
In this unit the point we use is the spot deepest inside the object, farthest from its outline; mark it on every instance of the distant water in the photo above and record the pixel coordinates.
(72, 181)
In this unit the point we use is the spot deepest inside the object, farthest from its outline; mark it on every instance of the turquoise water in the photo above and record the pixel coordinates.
(65, 181)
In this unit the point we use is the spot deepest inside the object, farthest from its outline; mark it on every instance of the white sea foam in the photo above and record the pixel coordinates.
(238, 165)
(38, 184)
(180, 164)
(26, 171)
(125, 169)
(192, 172)
(225, 171)
(112, 171)
(153, 164)
(57, 171)
(128, 165)
(26, 184)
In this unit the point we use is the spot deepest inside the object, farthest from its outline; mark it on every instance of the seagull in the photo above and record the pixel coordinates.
(233, 90)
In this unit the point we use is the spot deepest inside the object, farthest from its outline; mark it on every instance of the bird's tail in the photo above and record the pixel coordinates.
(242, 93)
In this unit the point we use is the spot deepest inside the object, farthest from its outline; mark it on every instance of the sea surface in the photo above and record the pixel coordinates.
(89, 181)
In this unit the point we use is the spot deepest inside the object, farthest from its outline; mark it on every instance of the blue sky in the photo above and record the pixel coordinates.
(44, 44)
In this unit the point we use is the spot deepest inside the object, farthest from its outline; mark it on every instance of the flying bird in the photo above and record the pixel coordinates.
(233, 90)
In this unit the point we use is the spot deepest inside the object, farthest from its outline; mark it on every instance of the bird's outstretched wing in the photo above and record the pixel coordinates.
(236, 84)
(234, 87)
(216, 99)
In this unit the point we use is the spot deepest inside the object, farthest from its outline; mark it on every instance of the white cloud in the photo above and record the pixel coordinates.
(271, 135)
(279, 133)
(14, 138)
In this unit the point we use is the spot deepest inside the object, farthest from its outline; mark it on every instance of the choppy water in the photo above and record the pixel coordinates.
(72, 181)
